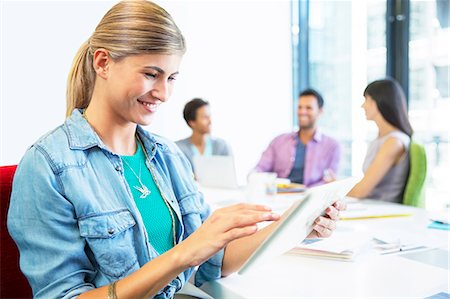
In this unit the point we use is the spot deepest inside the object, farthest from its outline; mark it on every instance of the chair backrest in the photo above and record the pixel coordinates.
(13, 282)
(414, 194)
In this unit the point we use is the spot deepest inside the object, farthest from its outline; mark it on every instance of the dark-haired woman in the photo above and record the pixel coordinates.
(386, 165)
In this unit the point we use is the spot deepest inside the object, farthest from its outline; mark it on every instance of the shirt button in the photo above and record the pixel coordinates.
(111, 231)
(118, 168)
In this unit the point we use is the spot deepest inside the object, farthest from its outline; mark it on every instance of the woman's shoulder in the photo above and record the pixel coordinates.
(395, 144)
(398, 138)
(400, 135)
(51, 147)
(52, 142)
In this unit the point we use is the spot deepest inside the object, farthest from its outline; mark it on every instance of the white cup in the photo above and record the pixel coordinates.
(260, 185)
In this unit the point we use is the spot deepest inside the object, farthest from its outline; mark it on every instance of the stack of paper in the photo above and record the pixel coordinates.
(342, 246)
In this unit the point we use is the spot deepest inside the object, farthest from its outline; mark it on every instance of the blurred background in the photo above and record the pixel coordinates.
(250, 60)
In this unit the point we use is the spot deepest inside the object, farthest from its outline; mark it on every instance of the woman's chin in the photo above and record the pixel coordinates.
(145, 121)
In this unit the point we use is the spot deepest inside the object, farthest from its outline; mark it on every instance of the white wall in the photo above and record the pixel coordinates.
(238, 58)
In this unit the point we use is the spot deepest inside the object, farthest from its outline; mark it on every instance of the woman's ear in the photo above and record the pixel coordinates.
(101, 61)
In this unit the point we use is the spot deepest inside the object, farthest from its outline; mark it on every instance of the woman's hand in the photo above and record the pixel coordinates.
(222, 227)
(325, 225)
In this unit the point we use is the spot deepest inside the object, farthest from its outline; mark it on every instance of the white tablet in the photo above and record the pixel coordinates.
(298, 222)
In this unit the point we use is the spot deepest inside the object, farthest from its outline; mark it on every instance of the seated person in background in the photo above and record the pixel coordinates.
(197, 115)
(386, 165)
(307, 156)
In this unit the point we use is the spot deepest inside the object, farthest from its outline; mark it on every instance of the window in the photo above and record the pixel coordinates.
(343, 58)
(348, 48)
(429, 98)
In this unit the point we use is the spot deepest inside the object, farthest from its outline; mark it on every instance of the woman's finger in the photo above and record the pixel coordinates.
(227, 220)
(340, 205)
(240, 232)
(322, 232)
(326, 222)
(246, 218)
(245, 206)
(332, 212)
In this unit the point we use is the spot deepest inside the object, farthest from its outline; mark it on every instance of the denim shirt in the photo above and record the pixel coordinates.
(74, 220)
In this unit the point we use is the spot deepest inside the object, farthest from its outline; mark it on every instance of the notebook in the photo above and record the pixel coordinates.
(297, 222)
(340, 246)
(215, 171)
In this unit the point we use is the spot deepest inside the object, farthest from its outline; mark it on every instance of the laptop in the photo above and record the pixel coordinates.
(215, 171)
(298, 223)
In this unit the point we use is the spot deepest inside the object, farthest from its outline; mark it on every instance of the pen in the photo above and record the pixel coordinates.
(374, 217)
(403, 249)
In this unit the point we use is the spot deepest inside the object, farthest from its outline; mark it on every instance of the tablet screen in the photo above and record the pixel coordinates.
(297, 222)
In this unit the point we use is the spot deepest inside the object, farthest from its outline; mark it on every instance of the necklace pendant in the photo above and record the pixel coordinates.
(144, 190)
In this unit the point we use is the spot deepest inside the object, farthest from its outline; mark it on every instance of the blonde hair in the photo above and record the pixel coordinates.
(128, 28)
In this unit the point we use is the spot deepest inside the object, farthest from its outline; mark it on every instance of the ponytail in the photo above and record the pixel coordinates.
(80, 82)
(128, 28)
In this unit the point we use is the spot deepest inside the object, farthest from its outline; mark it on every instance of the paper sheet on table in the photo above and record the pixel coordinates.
(401, 238)
(356, 211)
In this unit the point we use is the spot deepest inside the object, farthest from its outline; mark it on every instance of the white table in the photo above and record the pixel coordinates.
(417, 274)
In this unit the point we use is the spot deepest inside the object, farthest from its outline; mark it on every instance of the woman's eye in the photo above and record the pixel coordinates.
(172, 78)
(150, 75)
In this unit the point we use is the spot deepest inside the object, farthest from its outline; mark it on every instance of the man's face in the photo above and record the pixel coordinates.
(202, 122)
(308, 111)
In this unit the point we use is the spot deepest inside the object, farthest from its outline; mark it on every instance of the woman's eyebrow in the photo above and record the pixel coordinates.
(158, 69)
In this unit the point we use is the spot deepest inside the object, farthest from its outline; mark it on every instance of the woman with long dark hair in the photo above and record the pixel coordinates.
(386, 165)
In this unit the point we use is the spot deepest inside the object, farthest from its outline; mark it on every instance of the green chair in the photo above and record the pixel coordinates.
(414, 194)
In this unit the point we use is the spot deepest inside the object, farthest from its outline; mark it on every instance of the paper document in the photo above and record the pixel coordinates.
(392, 241)
(359, 211)
(342, 246)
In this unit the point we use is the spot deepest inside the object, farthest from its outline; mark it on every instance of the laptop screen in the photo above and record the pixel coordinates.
(215, 171)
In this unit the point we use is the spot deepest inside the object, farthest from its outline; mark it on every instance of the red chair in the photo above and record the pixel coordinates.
(13, 282)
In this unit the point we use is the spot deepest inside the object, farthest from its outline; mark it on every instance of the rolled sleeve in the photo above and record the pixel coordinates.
(210, 270)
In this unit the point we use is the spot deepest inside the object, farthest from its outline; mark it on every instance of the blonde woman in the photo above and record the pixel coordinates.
(101, 208)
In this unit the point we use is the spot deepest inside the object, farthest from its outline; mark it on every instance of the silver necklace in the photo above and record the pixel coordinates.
(142, 189)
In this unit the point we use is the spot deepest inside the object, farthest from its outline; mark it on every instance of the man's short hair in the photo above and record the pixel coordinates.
(312, 92)
(191, 107)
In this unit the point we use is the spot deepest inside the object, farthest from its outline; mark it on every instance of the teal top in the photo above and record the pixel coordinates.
(159, 221)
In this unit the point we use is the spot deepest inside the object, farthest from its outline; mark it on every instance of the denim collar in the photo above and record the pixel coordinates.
(82, 136)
